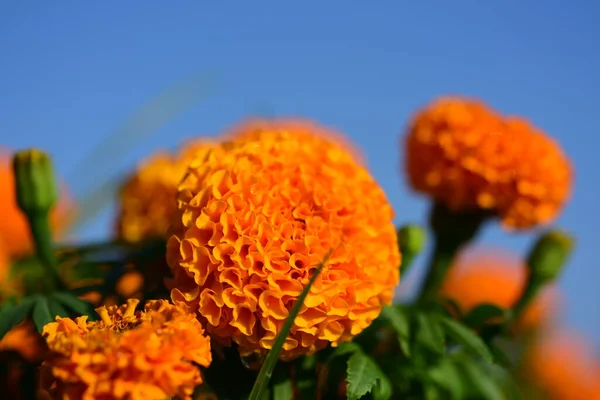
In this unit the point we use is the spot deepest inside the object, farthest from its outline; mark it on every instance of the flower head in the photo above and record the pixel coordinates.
(484, 276)
(148, 196)
(467, 156)
(131, 354)
(255, 219)
(14, 231)
(564, 367)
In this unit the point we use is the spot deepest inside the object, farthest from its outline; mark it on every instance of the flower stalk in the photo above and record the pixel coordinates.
(37, 193)
(451, 230)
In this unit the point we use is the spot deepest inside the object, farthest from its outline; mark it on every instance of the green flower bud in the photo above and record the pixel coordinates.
(548, 256)
(35, 183)
(411, 240)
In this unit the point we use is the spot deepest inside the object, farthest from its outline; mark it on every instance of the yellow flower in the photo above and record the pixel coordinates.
(148, 196)
(143, 355)
(496, 277)
(257, 216)
(563, 366)
(467, 156)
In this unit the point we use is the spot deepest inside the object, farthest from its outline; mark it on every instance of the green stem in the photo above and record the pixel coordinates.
(451, 231)
(42, 237)
(529, 293)
(438, 266)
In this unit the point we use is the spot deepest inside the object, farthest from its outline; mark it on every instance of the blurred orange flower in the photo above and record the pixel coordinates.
(467, 156)
(564, 367)
(148, 197)
(497, 277)
(255, 219)
(14, 231)
(138, 355)
(25, 340)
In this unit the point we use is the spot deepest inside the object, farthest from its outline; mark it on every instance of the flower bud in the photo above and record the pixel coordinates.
(548, 256)
(411, 240)
(35, 183)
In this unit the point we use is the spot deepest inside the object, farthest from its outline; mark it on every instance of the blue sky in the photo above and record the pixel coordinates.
(71, 72)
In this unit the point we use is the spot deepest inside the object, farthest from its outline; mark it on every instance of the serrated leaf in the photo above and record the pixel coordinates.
(74, 304)
(483, 313)
(447, 376)
(361, 378)
(430, 333)
(482, 382)
(400, 321)
(12, 315)
(463, 335)
(41, 313)
(364, 376)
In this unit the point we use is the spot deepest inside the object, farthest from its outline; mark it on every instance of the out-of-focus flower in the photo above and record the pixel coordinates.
(148, 196)
(564, 367)
(143, 355)
(497, 277)
(257, 217)
(25, 340)
(14, 231)
(467, 156)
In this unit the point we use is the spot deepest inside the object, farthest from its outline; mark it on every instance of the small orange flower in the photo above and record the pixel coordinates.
(25, 340)
(148, 196)
(467, 156)
(14, 231)
(488, 276)
(563, 366)
(255, 219)
(137, 355)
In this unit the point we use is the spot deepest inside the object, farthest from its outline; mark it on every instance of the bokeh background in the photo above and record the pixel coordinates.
(151, 74)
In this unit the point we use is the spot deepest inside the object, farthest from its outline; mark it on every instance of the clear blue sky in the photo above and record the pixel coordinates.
(72, 71)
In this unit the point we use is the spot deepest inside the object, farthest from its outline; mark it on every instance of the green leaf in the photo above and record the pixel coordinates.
(482, 314)
(447, 375)
(12, 315)
(74, 304)
(342, 350)
(482, 382)
(57, 309)
(363, 374)
(41, 313)
(283, 390)
(400, 321)
(430, 333)
(500, 356)
(463, 335)
(264, 375)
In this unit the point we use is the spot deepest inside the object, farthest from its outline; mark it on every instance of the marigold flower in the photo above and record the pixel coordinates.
(564, 367)
(467, 156)
(25, 340)
(255, 219)
(14, 231)
(148, 196)
(491, 276)
(143, 355)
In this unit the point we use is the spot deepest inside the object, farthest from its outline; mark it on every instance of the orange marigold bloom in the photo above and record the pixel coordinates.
(128, 354)
(14, 231)
(467, 156)
(148, 196)
(564, 367)
(255, 219)
(496, 277)
(25, 340)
